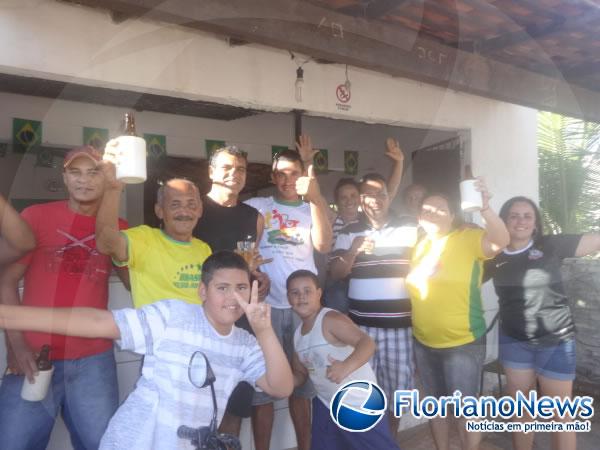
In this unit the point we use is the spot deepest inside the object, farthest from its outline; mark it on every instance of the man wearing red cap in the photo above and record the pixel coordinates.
(64, 270)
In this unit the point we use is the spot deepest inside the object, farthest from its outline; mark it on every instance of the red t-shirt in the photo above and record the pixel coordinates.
(65, 270)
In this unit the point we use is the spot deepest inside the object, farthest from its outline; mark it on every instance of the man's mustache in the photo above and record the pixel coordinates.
(184, 218)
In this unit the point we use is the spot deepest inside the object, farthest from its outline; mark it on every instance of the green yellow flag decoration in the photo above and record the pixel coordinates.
(321, 161)
(156, 145)
(211, 146)
(351, 162)
(276, 149)
(96, 137)
(27, 134)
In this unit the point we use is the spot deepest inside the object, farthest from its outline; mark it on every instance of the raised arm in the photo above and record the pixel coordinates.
(277, 380)
(109, 239)
(308, 187)
(320, 233)
(81, 322)
(306, 150)
(344, 331)
(496, 235)
(394, 152)
(588, 244)
(16, 237)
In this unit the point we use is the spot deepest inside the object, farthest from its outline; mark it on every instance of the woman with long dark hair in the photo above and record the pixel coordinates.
(537, 342)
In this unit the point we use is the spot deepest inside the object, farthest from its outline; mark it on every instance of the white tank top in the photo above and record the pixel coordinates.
(313, 350)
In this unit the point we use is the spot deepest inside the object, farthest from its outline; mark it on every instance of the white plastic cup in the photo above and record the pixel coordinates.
(129, 156)
(470, 198)
(37, 391)
(246, 250)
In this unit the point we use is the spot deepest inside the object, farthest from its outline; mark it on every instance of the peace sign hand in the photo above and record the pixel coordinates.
(257, 313)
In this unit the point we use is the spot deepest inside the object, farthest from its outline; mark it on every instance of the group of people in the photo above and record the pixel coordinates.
(401, 297)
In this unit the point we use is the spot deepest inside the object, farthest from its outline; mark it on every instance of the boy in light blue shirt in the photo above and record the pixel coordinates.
(168, 333)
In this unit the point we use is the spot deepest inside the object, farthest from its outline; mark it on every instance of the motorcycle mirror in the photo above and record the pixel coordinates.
(199, 371)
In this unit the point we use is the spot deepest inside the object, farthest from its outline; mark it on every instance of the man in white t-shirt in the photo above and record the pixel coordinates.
(296, 223)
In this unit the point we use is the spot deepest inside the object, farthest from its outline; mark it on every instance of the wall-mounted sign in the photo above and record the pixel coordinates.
(343, 96)
(156, 144)
(96, 137)
(211, 146)
(351, 162)
(276, 149)
(27, 134)
(321, 161)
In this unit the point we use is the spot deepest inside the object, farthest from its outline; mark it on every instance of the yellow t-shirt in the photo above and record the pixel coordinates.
(444, 286)
(161, 267)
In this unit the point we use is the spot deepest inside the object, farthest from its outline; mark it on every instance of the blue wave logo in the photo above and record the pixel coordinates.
(358, 406)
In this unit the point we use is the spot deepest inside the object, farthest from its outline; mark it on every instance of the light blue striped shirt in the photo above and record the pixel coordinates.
(168, 333)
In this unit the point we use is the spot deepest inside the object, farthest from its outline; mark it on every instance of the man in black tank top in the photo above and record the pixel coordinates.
(226, 221)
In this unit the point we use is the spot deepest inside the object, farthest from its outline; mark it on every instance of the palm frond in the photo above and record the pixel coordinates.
(569, 165)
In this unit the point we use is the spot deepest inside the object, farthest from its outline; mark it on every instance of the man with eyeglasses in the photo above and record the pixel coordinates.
(375, 254)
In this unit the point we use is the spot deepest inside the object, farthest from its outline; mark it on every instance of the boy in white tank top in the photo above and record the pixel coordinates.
(331, 350)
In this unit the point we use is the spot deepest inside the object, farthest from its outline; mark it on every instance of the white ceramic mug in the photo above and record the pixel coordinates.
(128, 153)
(37, 391)
(470, 198)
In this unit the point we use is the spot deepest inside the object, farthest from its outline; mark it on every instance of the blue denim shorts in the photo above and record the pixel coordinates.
(285, 321)
(445, 370)
(552, 361)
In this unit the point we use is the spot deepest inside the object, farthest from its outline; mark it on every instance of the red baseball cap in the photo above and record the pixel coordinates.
(87, 150)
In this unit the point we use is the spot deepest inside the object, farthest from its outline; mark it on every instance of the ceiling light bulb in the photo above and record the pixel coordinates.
(299, 83)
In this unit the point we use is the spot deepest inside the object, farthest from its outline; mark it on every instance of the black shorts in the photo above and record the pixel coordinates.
(240, 401)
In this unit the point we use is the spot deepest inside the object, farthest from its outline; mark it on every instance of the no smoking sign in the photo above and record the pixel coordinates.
(342, 93)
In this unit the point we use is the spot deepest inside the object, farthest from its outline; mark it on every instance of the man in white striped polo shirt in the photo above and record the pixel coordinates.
(375, 254)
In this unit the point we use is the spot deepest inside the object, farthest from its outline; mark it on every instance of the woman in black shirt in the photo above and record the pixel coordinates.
(536, 326)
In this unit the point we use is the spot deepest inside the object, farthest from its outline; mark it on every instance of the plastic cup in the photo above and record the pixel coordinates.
(37, 391)
(129, 156)
(246, 250)
(470, 198)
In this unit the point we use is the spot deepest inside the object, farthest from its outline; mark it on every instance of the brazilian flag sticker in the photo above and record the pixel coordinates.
(321, 161)
(96, 137)
(351, 162)
(211, 146)
(156, 145)
(27, 134)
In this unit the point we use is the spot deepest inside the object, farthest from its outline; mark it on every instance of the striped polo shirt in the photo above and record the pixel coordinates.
(376, 291)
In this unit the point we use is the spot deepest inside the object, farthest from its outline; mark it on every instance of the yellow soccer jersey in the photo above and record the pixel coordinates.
(162, 268)
(444, 286)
